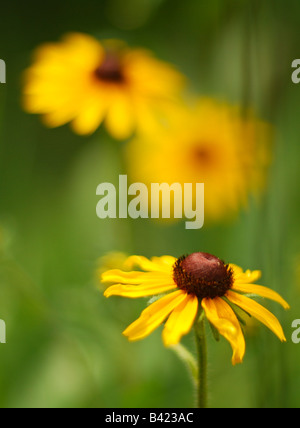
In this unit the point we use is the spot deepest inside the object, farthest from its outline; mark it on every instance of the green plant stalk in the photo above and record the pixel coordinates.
(202, 362)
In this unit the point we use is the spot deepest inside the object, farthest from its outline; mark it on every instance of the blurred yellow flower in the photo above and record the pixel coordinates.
(211, 143)
(112, 260)
(86, 82)
(199, 279)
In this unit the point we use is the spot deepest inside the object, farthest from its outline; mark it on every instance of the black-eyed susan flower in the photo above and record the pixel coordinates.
(87, 82)
(188, 284)
(211, 143)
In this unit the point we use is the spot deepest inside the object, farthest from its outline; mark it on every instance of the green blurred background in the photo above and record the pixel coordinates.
(64, 344)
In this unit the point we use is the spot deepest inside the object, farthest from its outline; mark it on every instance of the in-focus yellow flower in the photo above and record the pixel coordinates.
(199, 279)
(86, 82)
(213, 144)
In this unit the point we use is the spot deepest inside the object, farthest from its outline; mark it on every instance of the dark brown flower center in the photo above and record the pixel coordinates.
(111, 69)
(203, 275)
(203, 155)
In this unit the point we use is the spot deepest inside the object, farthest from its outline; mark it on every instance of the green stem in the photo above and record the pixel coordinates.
(202, 362)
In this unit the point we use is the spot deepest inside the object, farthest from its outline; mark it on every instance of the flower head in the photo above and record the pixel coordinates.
(87, 82)
(199, 280)
(211, 143)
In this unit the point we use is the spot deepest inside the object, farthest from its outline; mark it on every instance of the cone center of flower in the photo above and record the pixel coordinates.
(110, 70)
(203, 275)
(203, 155)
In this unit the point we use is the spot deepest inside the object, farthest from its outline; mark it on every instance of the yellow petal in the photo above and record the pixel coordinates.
(236, 269)
(180, 321)
(83, 50)
(245, 277)
(147, 119)
(149, 265)
(117, 276)
(141, 67)
(164, 261)
(59, 117)
(120, 120)
(220, 314)
(261, 291)
(257, 311)
(135, 291)
(90, 117)
(52, 89)
(153, 316)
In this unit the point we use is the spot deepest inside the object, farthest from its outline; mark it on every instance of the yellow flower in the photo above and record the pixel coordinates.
(199, 279)
(86, 82)
(112, 260)
(212, 144)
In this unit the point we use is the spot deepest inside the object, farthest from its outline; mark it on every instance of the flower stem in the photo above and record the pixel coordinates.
(202, 362)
